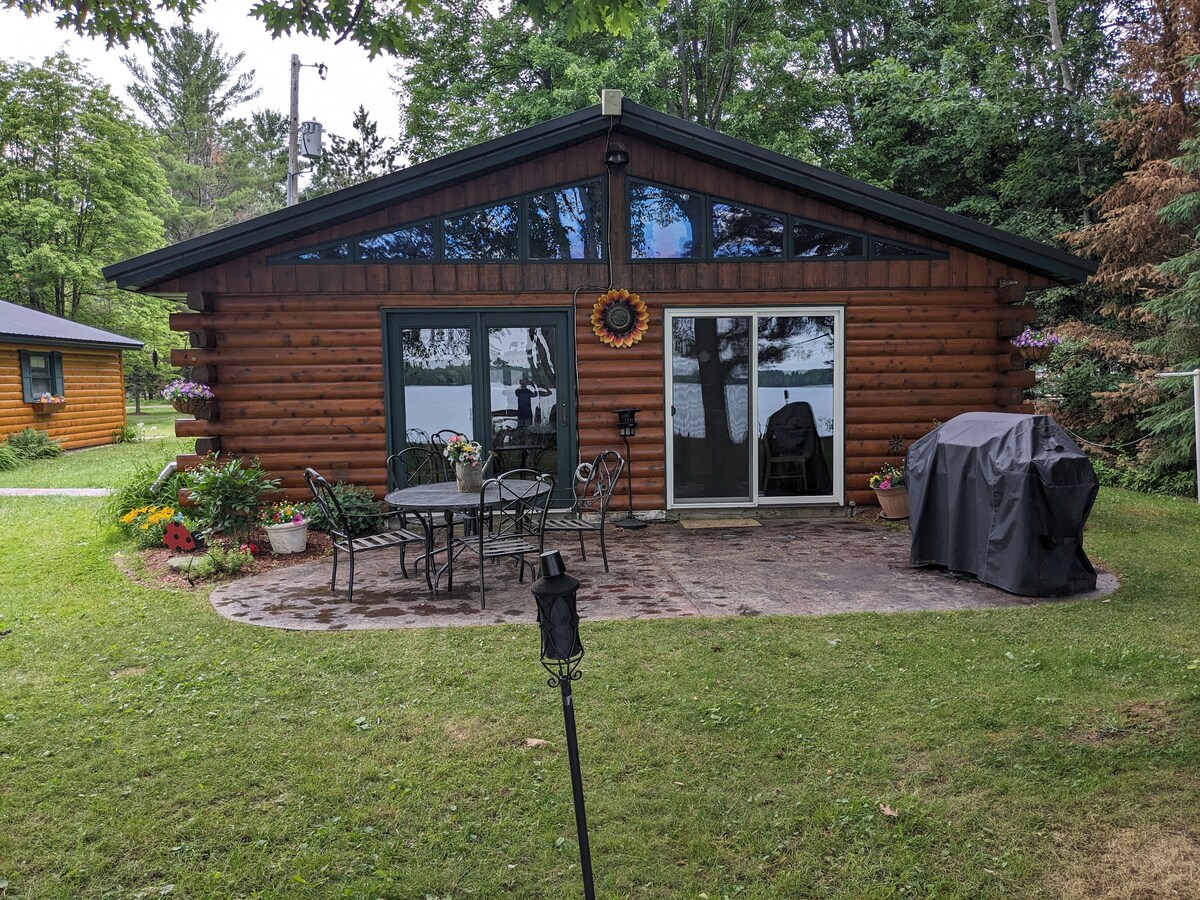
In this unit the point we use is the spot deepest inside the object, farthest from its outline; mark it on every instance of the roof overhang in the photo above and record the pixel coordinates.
(145, 271)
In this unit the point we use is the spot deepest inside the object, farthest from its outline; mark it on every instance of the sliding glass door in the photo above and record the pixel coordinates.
(755, 404)
(501, 378)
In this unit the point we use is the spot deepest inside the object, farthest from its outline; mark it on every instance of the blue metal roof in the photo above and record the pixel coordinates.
(22, 325)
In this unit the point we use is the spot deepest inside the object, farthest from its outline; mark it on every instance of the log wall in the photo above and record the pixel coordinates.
(294, 352)
(93, 383)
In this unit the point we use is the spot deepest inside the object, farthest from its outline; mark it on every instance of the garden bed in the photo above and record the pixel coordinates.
(149, 568)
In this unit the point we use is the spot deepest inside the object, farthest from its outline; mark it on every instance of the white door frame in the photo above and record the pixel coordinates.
(838, 475)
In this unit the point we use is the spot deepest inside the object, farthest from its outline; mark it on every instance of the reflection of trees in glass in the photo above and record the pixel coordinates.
(881, 249)
(337, 251)
(741, 232)
(565, 224)
(436, 348)
(663, 224)
(414, 242)
(487, 233)
(527, 352)
(782, 338)
(815, 240)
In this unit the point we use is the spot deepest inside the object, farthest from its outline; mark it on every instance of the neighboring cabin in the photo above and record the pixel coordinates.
(41, 354)
(803, 328)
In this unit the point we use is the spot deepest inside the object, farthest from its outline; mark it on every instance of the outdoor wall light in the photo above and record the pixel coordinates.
(627, 422)
(627, 427)
(617, 157)
(558, 619)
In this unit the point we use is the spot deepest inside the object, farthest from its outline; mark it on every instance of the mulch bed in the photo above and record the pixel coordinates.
(154, 572)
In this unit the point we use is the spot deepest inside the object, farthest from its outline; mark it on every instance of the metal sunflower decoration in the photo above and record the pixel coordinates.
(620, 318)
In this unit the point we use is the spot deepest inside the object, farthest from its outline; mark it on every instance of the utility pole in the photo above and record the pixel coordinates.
(293, 176)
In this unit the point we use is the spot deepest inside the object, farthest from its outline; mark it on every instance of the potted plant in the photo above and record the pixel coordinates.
(1036, 344)
(467, 458)
(188, 397)
(890, 491)
(49, 403)
(287, 527)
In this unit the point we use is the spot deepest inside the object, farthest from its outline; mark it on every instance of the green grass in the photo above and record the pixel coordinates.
(106, 466)
(147, 742)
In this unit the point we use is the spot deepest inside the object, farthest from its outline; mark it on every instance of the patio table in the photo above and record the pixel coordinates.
(425, 501)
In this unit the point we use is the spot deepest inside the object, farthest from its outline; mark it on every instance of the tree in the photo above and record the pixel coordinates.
(376, 26)
(350, 161)
(189, 93)
(78, 186)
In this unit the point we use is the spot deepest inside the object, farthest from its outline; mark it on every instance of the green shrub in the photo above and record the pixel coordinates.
(148, 524)
(359, 505)
(9, 458)
(33, 444)
(225, 497)
(138, 491)
(221, 561)
(1124, 472)
(130, 434)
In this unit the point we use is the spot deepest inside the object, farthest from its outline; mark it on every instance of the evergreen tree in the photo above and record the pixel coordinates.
(189, 93)
(350, 161)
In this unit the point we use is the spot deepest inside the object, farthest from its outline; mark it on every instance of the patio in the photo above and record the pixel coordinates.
(795, 568)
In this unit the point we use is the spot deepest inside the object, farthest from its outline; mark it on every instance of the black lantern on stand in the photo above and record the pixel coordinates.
(555, 593)
(627, 426)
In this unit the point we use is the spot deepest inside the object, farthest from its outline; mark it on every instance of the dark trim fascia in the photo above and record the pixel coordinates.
(355, 201)
(891, 207)
(36, 341)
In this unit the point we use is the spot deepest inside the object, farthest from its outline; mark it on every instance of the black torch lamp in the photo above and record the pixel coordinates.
(627, 426)
(555, 593)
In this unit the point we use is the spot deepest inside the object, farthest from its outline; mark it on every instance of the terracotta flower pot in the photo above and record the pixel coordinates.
(893, 503)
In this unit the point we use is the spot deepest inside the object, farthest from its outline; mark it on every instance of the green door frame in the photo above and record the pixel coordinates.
(478, 320)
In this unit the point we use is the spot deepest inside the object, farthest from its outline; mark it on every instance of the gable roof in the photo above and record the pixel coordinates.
(694, 140)
(22, 325)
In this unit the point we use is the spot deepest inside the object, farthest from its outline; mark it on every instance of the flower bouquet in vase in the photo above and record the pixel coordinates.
(890, 491)
(467, 458)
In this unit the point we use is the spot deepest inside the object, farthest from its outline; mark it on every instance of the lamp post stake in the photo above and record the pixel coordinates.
(562, 651)
(581, 829)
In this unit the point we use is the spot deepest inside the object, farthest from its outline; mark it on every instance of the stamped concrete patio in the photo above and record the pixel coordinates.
(794, 568)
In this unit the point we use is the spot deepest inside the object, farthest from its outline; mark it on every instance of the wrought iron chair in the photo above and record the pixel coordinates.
(593, 488)
(790, 443)
(417, 465)
(439, 439)
(342, 533)
(514, 525)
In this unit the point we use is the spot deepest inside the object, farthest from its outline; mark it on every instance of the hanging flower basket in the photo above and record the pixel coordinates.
(188, 397)
(188, 405)
(1035, 344)
(1035, 354)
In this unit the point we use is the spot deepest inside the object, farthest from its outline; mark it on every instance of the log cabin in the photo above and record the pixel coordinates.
(61, 377)
(779, 331)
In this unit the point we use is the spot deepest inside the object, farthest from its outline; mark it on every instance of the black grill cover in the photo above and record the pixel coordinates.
(1004, 497)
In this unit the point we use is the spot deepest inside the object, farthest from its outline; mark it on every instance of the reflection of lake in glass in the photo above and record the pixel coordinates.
(689, 408)
(431, 408)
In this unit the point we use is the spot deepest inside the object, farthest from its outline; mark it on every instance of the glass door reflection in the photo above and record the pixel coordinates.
(523, 398)
(710, 404)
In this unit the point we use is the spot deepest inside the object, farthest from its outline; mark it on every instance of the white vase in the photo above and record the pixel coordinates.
(288, 538)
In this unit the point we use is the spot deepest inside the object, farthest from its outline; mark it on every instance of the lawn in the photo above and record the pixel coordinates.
(148, 746)
(108, 465)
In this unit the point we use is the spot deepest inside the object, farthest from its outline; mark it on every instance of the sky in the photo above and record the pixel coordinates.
(351, 78)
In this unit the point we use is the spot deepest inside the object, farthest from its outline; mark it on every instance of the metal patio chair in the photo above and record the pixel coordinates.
(511, 525)
(417, 465)
(342, 534)
(593, 488)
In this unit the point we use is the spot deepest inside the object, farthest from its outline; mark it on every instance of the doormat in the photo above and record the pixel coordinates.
(720, 523)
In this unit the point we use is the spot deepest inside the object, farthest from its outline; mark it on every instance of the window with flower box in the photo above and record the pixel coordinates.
(41, 374)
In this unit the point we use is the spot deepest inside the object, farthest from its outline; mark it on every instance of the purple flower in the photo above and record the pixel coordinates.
(1036, 338)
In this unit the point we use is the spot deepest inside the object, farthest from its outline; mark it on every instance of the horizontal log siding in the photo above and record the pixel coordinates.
(299, 348)
(93, 383)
